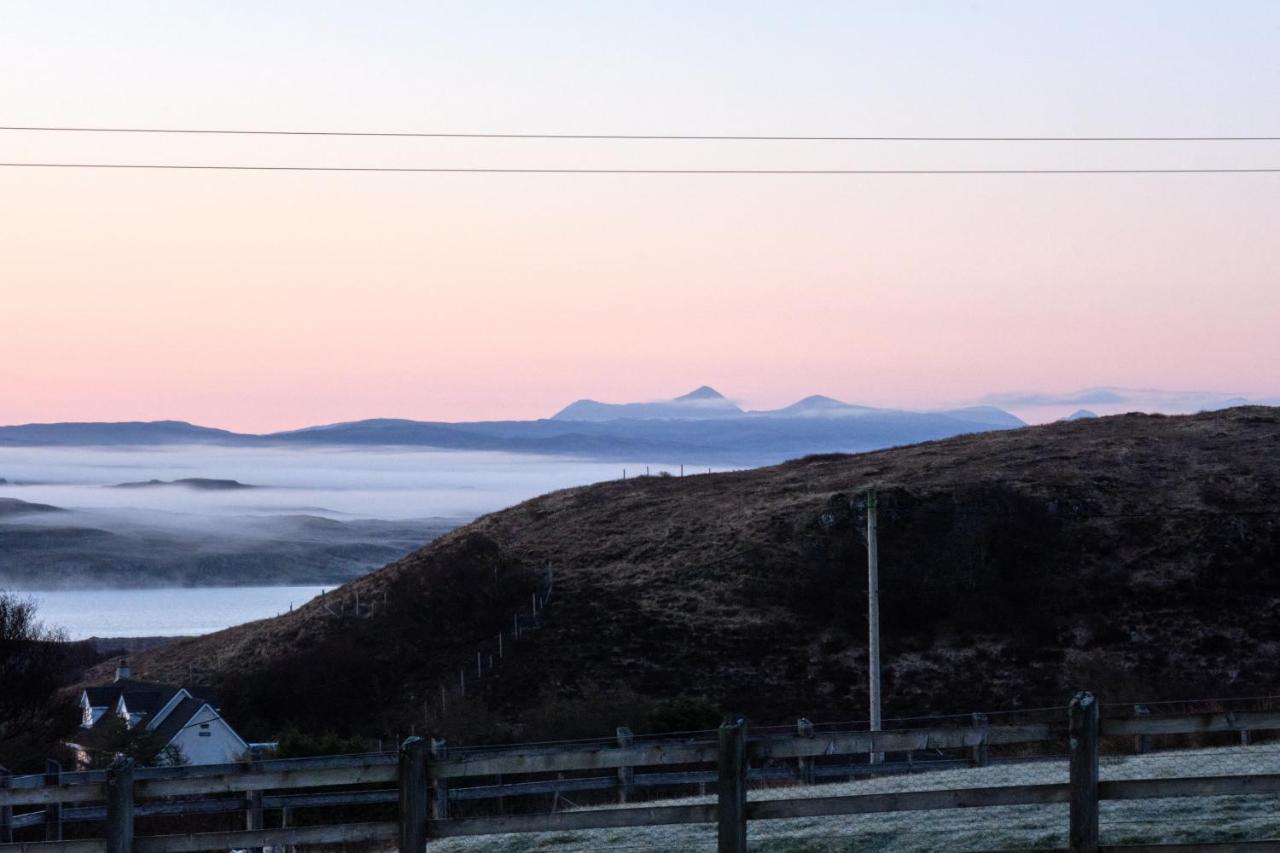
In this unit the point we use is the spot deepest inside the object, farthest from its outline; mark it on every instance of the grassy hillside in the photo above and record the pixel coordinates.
(1136, 555)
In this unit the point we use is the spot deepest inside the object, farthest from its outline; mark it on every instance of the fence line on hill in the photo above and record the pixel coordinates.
(488, 658)
(412, 791)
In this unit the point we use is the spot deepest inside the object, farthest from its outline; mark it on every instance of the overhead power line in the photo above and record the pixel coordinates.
(725, 137)
(585, 171)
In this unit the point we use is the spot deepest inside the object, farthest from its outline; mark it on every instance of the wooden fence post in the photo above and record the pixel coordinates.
(981, 750)
(286, 820)
(119, 828)
(52, 811)
(732, 803)
(804, 764)
(626, 775)
(253, 812)
(413, 796)
(1142, 743)
(1082, 728)
(6, 812)
(440, 798)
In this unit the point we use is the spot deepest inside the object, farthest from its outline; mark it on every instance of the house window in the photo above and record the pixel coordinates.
(204, 730)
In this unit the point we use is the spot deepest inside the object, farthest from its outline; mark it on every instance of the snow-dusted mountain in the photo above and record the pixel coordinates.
(707, 403)
(816, 406)
(703, 402)
(700, 427)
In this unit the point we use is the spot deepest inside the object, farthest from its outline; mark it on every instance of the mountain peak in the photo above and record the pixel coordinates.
(816, 405)
(705, 392)
(818, 401)
(699, 404)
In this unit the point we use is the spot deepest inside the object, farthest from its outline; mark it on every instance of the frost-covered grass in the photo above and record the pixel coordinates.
(1185, 819)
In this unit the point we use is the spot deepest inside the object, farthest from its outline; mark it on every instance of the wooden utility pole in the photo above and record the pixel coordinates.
(873, 619)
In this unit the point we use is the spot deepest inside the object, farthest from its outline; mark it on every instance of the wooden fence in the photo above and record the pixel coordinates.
(417, 785)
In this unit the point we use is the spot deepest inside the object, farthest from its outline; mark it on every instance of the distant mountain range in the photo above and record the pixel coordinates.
(707, 403)
(125, 432)
(701, 426)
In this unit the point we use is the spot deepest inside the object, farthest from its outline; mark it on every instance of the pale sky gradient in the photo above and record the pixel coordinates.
(267, 301)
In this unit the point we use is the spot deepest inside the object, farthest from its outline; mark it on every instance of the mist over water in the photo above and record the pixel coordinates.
(332, 482)
(312, 516)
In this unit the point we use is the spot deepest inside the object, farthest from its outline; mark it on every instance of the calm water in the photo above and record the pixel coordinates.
(164, 612)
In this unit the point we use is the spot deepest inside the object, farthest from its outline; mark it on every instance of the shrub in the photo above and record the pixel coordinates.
(296, 743)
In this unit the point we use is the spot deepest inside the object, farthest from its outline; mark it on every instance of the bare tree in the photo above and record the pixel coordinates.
(33, 666)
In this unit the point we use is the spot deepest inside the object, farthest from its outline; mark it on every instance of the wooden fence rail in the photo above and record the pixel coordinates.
(426, 776)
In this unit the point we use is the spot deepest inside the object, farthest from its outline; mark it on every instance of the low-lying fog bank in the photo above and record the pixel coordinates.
(96, 549)
(314, 515)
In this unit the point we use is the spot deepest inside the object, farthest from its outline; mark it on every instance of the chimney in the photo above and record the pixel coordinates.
(122, 669)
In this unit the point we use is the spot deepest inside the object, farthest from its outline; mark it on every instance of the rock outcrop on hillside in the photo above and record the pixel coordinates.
(1138, 556)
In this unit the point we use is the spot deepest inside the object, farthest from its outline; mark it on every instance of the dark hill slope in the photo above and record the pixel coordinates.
(122, 433)
(1137, 555)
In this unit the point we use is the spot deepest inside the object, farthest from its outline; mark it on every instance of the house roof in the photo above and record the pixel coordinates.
(109, 694)
(147, 701)
(148, 696)
(178, 718)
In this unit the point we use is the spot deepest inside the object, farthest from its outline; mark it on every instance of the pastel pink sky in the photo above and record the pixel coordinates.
(269, 301)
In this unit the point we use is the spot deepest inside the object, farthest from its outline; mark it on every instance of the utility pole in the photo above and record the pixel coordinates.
(873, 618)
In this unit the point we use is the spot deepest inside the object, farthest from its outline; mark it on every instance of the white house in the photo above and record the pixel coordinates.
(183, 718)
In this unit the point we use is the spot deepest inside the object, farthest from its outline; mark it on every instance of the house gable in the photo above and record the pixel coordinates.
(122, 711)
(89, 712)
(202, 736)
